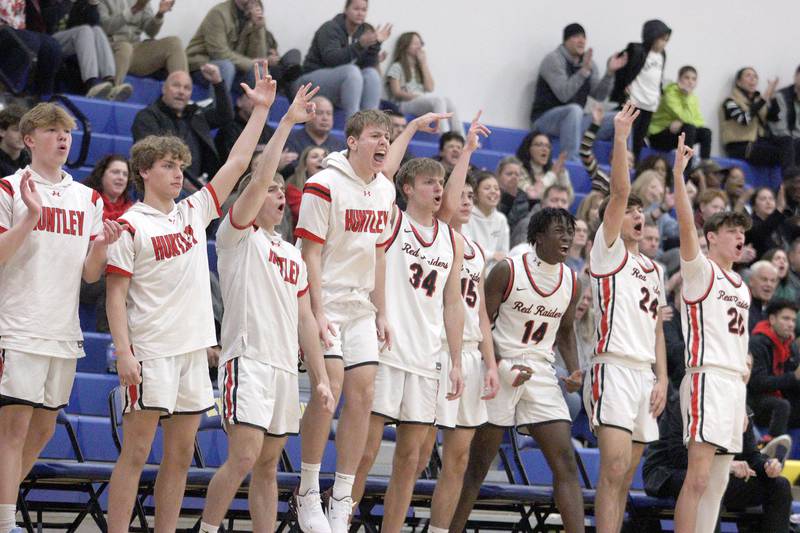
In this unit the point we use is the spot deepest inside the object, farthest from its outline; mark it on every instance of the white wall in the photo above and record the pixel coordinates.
(485, 54)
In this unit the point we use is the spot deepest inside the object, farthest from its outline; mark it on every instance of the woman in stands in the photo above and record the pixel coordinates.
(514, 202)
(487, 226)
(589, 210)
(536, 153)
(110, 177)
(768, 218)
(309, 163)
(743, 124)
(410, 83)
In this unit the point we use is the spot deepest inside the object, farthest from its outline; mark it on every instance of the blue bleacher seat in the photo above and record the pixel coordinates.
(102, 144)
(90, 393)
(581, 181)
(95, 346)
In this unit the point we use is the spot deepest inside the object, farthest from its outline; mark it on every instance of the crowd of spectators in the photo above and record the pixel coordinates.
(102, 41)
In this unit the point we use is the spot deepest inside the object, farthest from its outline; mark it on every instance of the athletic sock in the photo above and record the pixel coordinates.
(309, 478)
(434, 529)
(208, 528)
(8, 517)
(343, 486)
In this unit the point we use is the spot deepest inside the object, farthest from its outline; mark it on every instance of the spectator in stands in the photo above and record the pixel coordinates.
(576, 257)
(754, 478)
(399, 123)
(343, 59)
(679, 112)
(233, 36)
(659, 164)
(410, 83)
(173, 115)
(450, 146)
(734, 186)
(709, 202)
(309, 163)
(514, 202)
(599, 177)
(76, 27)
(788, 287)
(317, 131)
(768, 219)
(567, 77)
(787, 121)
(230, 131)
(639, 81)
(743, 124)
(487, 226)
(124, 21)
(763, 281)
(556, 196)
(536, 153)
(47, 52)
(589, 210)
(584, 325)
(712, 172)
(791, 195)
(774, 388)
(649, 186)
(650, 245)
(13, 154)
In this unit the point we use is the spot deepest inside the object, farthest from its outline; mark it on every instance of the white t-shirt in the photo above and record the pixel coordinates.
(40, 284)
(646, 87)
(627, 292)
(165, 255)
(490, 232)
(350, 218)
(261, 277)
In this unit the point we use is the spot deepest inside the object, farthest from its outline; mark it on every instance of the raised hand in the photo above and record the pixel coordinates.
(558, 165)
(30, 196)
(772, 85)
(165, 6)
(476, 129)
(683, 154)
(383, 32)
(623, 121)
(429, 122)
(617, 61)
(302, 108)
(422, 56)
(586, 62)
(211, 73)
(263, 93)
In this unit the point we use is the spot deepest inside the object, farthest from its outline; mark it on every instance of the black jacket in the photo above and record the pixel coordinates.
(332, 47)
(637, 55)
(158, 119)
(53, 15)
(676, 349)
(762, 379)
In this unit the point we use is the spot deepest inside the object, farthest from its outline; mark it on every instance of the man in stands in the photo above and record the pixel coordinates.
(124, 21)
(567, 77)
(399, 123)
(651, 240)
(774, 388)
(13, 155)
(763, 281)
(556, 196)
(450, 146)
(172, 114)
(52, 235)
(317, 131)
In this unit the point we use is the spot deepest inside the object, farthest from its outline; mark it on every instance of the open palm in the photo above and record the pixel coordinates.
(263, 93)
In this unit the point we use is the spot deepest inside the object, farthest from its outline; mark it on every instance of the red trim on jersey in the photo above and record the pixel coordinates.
(93, 237)
(304, 291)
(111, 269)
(483, 254)
(644, 268)
(229, 389)
(189, 203)
(605, 308)
(471, 253)
(624, 260)
(214, 197)
(6, 186)
(419, 237)
(317, 190)
(728, 277)
(574, 283)
(533, 283)
(708, 290)
(2, 229)
(596, 382)
(302, 233)
(95, 196)
(388, 242)
(510, 279)
(130, 229)
(233, 222)
(694, 329)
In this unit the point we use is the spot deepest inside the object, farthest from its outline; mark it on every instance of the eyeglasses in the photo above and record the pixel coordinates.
(540, 145)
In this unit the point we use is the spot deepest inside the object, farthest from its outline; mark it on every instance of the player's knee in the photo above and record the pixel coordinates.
(360, 396)
(136, 452)
(615, 470)
(564, 466)
(457, 461)
(243, 461)
(266, 468)
(696, 482)
(406, 456)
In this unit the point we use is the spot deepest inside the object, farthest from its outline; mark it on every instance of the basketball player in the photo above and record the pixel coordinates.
(159, 309)
(715, 311)
(531, 300)
(264, 289)
(460, 417)
(622, 395)
(52, 234)
(344, 214)
(423, 271)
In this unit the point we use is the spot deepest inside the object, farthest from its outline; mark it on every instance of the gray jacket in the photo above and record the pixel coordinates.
(122, 25)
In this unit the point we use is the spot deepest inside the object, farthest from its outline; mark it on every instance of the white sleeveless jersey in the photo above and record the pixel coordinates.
(528, 317)
(471, 272)
(715, 324)
(627, 293)
(416, 274)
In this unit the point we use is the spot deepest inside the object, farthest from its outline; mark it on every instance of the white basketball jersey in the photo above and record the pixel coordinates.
(715, 325)
(627, 293)
(471, 272)
(529, 316)
(416, 273)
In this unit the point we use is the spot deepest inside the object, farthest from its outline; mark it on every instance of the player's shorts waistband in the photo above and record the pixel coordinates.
(469, 346)
(622, 360)
(527, 357)
(715, 370)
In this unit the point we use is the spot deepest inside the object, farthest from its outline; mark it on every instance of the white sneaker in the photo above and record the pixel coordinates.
(310, 516)
(339, 512)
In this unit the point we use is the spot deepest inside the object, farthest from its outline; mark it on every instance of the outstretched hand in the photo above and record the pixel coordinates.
(302, 108)
(623, 121)
(263, 93)
(429, 122)
(112, 230)
(476, 129)
(30, 196)
(683, 154)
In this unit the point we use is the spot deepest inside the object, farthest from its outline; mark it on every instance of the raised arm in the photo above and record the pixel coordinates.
(250, 201)
(620, 178)
(428, 122)
(262, 96)
(566, 343)
(454, 319)
(683, 206)
(455, 183)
